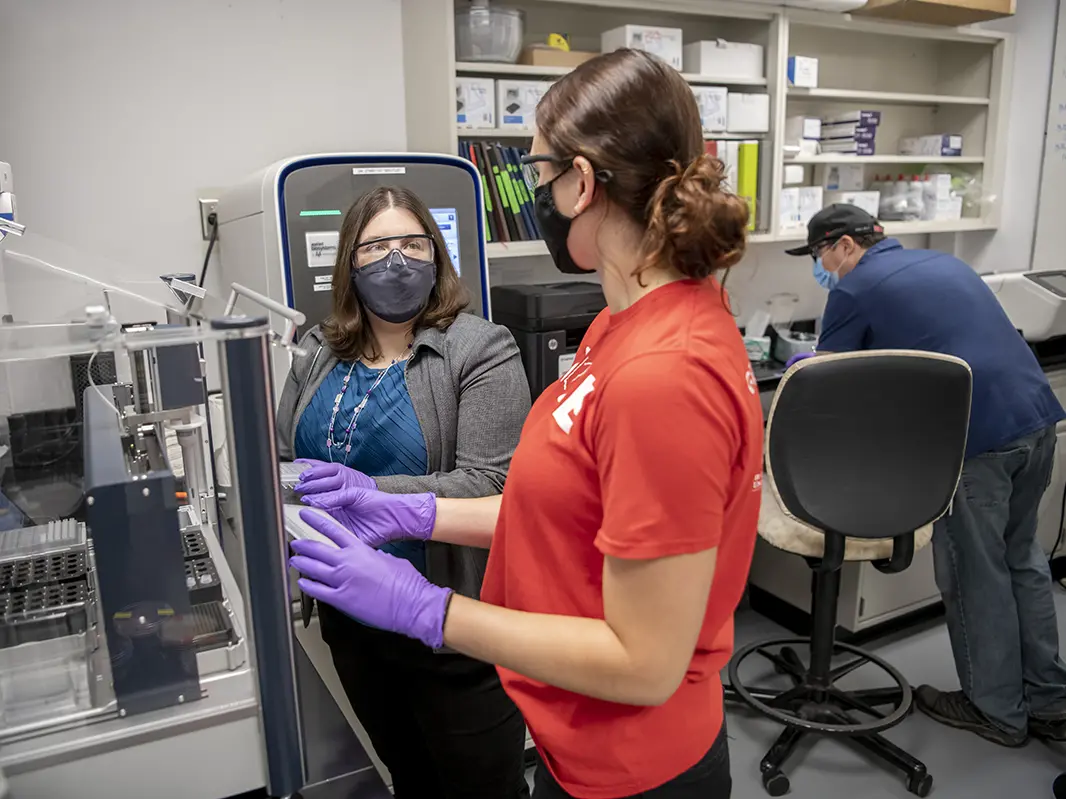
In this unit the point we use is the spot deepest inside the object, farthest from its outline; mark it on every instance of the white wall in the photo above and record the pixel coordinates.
(114, 113)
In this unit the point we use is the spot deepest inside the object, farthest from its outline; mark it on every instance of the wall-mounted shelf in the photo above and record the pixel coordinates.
(923, 79)
(883, 98)
(907, 228)
(495, 133)
(489, 69)
(831, 158)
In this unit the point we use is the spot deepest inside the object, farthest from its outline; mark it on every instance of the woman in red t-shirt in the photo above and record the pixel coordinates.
(622, 541)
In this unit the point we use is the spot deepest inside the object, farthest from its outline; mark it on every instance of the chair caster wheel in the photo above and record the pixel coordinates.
(920, 784)
(775, 783)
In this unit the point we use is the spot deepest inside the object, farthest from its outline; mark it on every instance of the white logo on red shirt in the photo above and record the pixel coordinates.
(570, 407)
(753, 385)
(756, 484)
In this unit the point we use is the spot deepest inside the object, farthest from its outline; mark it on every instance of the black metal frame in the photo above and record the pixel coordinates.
(814, 705)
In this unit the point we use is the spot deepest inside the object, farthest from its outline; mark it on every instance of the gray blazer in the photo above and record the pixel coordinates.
(471, 397)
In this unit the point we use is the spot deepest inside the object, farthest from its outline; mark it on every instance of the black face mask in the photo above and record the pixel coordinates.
(395, 288)
(555, 229)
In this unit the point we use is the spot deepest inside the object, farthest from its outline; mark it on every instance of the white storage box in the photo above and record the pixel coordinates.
(516, 102)
(789, 210)
(802, 71)
(749, 113)
(841, 177)
(799, 128)
(795, 174)
(713, 104)
(810, 203)
(869, 201)
(662, 42)
(939, 144)
(733, 60)
(475, 103)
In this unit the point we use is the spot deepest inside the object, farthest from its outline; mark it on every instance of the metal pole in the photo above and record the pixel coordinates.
(249, 391)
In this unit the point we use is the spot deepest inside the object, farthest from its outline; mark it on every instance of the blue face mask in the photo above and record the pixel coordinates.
(826, 279)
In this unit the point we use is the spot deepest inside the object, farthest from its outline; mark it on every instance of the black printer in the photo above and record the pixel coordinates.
(548, 321)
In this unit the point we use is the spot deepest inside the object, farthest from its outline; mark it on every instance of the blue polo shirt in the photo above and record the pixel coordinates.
(927, 300)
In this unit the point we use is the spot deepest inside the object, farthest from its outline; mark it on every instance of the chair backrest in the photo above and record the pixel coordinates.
(869, 444)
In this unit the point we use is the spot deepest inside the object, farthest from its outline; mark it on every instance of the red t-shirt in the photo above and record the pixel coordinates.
(650, 446)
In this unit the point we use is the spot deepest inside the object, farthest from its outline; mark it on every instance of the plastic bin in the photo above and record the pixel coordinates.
(488, 33)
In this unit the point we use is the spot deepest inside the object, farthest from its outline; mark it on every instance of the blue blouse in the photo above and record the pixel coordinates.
(387, 439)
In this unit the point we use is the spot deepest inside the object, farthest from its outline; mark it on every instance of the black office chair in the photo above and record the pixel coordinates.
(863, 449)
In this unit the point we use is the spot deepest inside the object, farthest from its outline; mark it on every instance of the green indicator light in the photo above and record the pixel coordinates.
(320, 213)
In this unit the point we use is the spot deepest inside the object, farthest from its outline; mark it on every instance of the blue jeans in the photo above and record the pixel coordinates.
(996, 585)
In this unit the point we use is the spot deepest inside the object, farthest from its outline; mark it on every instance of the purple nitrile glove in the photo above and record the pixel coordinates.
(376, 517)
(322, 477)
(799, 356)
(374, 587)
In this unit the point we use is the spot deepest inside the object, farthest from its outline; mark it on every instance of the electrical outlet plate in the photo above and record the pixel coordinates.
(207, 206)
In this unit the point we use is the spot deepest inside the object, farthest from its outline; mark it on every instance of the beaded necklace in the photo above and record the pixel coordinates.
(346, 445)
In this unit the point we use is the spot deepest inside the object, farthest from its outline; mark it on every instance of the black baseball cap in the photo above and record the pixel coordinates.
(834, 221)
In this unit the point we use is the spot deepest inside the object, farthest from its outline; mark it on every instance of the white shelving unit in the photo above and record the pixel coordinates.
(923, 79)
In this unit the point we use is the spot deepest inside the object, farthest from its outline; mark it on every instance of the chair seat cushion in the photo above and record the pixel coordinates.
(792, 535)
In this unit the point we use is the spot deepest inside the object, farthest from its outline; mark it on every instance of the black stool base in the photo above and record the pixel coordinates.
(815, 706)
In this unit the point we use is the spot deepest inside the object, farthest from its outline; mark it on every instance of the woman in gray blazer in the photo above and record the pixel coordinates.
(402, 386)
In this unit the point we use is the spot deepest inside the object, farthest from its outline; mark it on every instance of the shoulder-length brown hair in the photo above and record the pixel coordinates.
(347, 330)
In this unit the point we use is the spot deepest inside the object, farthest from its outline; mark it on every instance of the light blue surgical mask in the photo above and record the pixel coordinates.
(826, 279)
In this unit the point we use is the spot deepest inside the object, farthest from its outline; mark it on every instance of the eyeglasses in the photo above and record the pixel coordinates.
(819, 249)
(414, 245)
(531, 170)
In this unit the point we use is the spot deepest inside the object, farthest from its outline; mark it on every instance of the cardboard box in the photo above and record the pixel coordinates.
(516, 102)
(798, 128)
(849, 147)
(748, 113)
(544, 56)
(939, 144)
(788, 209)
(475, 103)
(802, 71)
(841, 177)
(662, 42)
(856, 117)
(795, 174)
(722, 59)
(810, 203)
(938, 12)
(849, 130)
(713, 104)
(869, 201)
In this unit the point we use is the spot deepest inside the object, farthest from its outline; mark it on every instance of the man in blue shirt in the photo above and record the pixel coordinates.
(990, 569)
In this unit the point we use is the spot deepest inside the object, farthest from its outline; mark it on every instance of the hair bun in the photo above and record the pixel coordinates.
(694, 223)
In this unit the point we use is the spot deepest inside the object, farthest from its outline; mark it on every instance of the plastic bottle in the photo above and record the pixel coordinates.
(894, 200)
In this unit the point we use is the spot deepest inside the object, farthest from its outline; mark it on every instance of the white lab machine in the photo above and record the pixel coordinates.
(1035, 302)
(279, 228)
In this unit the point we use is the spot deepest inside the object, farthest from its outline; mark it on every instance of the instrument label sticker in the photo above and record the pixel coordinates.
(323, 286)
(322, 248)
(379, 170)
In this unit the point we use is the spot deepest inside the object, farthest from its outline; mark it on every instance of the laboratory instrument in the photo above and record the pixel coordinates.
(279, 228)
(133, 662)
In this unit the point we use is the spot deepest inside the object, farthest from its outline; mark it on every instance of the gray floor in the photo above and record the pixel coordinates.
(963, 766)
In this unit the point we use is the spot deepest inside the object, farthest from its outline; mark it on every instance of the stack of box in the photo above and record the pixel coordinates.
(846, 183)
(938, 144)
(851, 133)
(713, 102)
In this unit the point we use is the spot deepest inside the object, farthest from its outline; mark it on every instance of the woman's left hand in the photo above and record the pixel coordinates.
(368, 585)
(322, 477)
